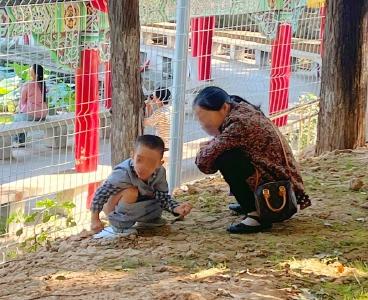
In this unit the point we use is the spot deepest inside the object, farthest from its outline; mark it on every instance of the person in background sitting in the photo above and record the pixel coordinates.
(32, 104)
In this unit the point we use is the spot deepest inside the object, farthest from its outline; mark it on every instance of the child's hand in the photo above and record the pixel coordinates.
(96, 226)
(183, 209)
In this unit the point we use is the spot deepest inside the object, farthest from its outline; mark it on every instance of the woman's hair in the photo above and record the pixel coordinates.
(38, 70)
(213, 98)
(163, 94)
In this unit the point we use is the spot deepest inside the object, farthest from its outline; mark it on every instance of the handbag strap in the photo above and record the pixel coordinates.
(258, 176)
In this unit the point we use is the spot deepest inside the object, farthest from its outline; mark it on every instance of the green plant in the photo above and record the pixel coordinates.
(62, 96)
(47, 212)
(305, 133)
(22, 71)
(2, 223)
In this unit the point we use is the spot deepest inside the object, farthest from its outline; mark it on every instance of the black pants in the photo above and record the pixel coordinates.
(21, 137)
(236, 167)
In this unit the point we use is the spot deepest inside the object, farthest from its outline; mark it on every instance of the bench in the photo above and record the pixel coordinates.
(238, 42)
(262, 50)
(148, 34)
(55, 128)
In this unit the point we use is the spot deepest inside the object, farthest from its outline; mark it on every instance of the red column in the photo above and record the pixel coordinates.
(194, 22)
(89, 135)
(26, 39)
(322, 13)
(107, 85)
(100, 5)
(206, 29)
(280, 72)
(87, 112)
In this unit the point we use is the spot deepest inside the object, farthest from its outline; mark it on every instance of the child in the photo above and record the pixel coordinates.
(158, 113)
(136, 191)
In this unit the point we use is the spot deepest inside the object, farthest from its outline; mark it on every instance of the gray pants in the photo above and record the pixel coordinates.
(125, 215)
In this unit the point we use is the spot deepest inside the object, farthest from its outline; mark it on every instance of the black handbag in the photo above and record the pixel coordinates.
(275, 201)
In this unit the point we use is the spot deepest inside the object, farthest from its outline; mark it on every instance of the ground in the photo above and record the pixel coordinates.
(322, 253)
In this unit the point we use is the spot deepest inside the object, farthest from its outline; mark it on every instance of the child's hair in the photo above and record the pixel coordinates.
(152, 142)
(163, 94)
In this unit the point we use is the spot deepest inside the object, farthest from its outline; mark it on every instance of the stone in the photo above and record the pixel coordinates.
(316, 169)
(365, 205)
(355, 184)
(218, 257)
(178, 237)
(190, 254)
(64, 247)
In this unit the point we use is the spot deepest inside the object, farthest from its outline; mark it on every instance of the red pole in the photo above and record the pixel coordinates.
(194, 23)
(100, 5)
(322, 13)
(87, 113)
(206, 28)
(26, 39)
(280, 72)
(107, 85)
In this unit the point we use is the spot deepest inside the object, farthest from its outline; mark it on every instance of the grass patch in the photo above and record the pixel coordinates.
(346, 291)
(206, 201)
(184, 262)
(2, 225)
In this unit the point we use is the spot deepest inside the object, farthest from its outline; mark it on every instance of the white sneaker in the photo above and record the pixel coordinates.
(111, 233)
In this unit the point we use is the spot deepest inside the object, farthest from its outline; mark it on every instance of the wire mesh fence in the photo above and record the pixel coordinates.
(55, 150)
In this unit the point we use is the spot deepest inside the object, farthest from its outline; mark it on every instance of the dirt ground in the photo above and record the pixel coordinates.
(322, 253)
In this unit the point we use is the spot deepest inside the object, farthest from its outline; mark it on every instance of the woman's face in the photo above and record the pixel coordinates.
(32, 73)
(211, 121)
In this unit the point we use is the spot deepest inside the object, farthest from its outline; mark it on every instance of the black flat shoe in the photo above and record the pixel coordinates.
(236, 208)
(241, 228)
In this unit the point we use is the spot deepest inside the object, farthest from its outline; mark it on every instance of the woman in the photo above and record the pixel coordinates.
(244, 140)
(32, 103)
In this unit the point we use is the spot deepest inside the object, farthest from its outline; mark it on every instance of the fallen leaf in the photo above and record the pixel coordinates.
(340, 268)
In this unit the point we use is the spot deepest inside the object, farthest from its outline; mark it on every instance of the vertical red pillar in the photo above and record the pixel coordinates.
(280, 72)
(322, 13)
(107, 85)
(92, 132)
(194, 22)
(87, 112)
(206, 27)
(26, 39)
(100, 5)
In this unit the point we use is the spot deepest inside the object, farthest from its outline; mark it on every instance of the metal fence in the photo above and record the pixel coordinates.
(265, 51)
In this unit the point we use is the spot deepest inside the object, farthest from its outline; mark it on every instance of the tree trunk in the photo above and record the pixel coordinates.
(127, 95)
(341, 120)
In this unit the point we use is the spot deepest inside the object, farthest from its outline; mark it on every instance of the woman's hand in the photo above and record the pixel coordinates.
(203, 144)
